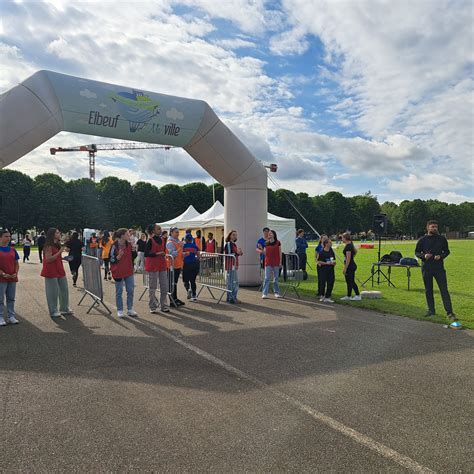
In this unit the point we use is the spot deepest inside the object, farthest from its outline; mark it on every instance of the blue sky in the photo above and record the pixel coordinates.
(343, 95)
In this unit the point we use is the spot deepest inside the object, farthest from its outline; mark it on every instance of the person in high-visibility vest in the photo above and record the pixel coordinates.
(200, 241)
(175, 248)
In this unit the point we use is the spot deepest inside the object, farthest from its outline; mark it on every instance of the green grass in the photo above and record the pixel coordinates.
(460, 273)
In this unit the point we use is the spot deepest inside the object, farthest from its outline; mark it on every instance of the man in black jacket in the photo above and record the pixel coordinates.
(432, 249)
(40, 242)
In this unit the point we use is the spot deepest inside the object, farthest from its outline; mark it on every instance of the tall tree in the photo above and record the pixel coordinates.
(173, 201)
(365, 206)
(116, 202)
(17, 207)
(344, 218)
(198, 195)
(412, 216)
(86, 209)
(147, 205)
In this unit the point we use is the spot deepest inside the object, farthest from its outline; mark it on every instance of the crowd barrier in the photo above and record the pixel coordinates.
(171, 283)
(213, 274)
(91, 272)
(292, 274)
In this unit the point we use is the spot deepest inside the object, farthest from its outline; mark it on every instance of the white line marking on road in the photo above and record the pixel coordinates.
(355, 435)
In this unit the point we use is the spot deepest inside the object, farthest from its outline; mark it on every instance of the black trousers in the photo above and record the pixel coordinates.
(327, 281)
(320, 281)
(40, 251)
(106, 267)
(439, 274)
(26, 253)
(190, 273)
(302, 260)
(350, 281)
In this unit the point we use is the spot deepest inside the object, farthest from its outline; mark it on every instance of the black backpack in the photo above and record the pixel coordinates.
(396, 256)
(386, 258)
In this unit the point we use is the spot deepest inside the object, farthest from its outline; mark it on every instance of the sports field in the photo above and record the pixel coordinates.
(399, 300)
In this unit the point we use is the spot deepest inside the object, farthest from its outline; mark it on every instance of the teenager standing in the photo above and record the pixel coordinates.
(327, 262)
(301, 246)
(232, 266)
(26, 243)
(105, 244)
(155, 266)
(75, 247)
(121, 264)
(9, 267)
(175, 248)
(211, 246)
(350, 268)
(317, 251)
(272, 262)
(191, 266)
(54, 275)
(141, 246)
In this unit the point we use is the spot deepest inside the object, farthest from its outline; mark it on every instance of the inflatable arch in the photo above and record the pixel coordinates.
(48, 102)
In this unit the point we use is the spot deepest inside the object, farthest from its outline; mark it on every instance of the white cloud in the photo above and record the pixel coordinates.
(413, 184)
(452, 197)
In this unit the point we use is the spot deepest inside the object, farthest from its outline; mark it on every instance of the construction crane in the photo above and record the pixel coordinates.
(93, 149)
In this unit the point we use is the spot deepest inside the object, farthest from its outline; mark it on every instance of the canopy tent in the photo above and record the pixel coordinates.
(187, 215)
(213, 218)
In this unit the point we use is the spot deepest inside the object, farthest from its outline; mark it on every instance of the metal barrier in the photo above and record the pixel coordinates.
(213, 273)
(292, 274)
(93, 282)
(171, 283)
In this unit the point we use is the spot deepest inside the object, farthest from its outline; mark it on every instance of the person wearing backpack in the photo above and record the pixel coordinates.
(432, 249)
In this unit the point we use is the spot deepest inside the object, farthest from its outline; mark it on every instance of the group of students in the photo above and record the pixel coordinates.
(270, 252)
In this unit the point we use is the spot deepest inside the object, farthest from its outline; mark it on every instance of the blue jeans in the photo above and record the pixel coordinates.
(129, 283)
(232, 284)
(266, 284)
(8, 290)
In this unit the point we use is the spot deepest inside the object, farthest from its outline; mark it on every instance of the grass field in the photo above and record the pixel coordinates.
(460, 274)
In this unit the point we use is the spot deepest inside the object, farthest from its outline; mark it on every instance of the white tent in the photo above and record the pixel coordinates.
(187, 215)
(213, 218)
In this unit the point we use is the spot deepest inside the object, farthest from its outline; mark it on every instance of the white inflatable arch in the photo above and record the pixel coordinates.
(48, 102)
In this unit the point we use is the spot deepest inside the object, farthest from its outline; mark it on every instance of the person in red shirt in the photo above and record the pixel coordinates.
(211, 246)
(272, 262)
(121, 265)
(54, 275)
(9, 267)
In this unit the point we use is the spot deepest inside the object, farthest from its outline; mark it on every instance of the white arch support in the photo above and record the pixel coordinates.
(48, 102)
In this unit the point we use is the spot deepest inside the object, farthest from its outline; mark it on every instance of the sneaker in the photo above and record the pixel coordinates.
(356, 298)
(2, 322)
(190, 294)
(57, 314)
(321, 299)
(165, 310)
(264, 297)
(193, 298)
(67, 312)
(452, 317)
(277, 295)
(153, 311)
(110, 276)
(328, 300)
(13, 320)
(345, 298)
(429, 314)
(132, 313)
(180, 303)
(120, 314)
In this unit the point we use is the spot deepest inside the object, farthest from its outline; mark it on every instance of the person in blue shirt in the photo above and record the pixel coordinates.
(318, 250)
(261, 246)
(301, 246)
(191, 266)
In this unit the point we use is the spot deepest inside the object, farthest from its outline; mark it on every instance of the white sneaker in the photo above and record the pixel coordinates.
(264, 297)
(328, 300)
(13, 320)
(321, 299)
(57, 314)
(120, 314)
(153, 311)
(277, 295)
(193, 298)
(345, 298)
(132, 313)
(356, 298)
(66, 313)
(2, 322)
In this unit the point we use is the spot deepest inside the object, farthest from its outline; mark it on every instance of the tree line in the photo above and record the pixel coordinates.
(49, 201)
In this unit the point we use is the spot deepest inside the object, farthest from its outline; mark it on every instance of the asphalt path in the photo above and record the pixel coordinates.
(274, 385)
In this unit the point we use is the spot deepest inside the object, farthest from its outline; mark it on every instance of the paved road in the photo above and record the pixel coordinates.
(280, 386)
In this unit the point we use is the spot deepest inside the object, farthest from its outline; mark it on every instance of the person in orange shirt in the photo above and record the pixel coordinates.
(175, 249)
(105, 244)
